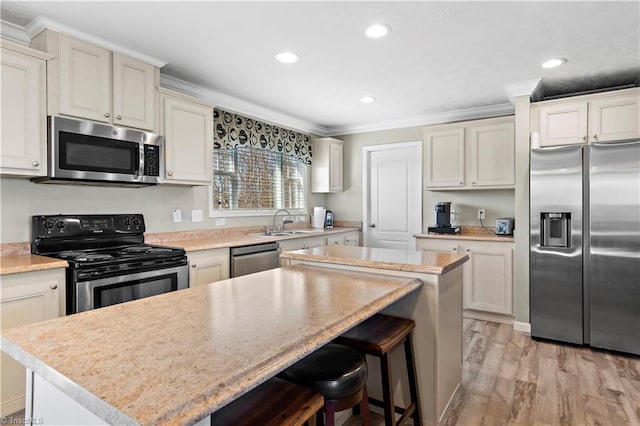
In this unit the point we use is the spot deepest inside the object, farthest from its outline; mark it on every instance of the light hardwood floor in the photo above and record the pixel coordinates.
(511, 379)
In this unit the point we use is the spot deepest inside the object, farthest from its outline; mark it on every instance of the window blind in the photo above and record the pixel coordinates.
(257, 179)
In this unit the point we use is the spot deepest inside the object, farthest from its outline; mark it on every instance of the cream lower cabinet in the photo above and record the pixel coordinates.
(23, 149)
(208, 266)
(603, 117)
(187, 126)
(25, 298)
(487, 275)
(352, 239)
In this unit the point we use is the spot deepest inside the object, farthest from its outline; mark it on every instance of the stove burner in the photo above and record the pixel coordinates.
(145, 249)
(70, 254)
(92, 257)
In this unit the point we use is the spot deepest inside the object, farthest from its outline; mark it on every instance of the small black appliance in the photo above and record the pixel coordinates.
(443, 220)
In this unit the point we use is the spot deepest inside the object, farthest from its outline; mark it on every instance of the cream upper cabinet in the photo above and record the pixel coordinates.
(187, 125)
(444, 158)
(492, 158)
(614, 118)
(208, 266)
(91, 82)
(23, 116)
(603, 117)
(26, 298)
(470, 155)
(327, 166)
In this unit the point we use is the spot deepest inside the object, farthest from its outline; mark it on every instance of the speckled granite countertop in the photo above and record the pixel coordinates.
(17, 263)
(391, 259)
(476, 233)
(205, 242)
(177, 357)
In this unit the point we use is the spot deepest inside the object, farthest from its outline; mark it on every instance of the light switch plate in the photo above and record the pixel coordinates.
(196, 215)
(177, 215)
(220, 221)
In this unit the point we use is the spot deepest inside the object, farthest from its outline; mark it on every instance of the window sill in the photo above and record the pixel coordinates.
(251, 213)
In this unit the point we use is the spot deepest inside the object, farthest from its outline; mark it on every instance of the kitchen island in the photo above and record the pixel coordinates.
(436, 310)
(177, 357)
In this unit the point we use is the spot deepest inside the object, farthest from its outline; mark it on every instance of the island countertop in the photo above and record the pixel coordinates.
(177, 357)
(392, 259)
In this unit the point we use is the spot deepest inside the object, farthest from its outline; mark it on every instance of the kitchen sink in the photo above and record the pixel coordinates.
(287, 233)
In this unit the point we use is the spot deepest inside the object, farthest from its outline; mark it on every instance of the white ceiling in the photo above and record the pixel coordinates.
(440, 58)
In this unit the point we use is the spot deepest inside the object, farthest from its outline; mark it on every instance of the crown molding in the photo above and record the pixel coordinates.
(428, 119)
(13, 32)
(533, 88)
(41, 23)
(241, 106)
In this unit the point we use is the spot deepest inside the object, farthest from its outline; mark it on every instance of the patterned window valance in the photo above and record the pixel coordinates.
(234, 130)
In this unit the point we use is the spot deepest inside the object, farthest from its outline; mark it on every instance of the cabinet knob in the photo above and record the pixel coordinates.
(584, 138)
(118, 117)
(595, 136)
(461, 183)
(36, 163)
(473, 183)
(455, 249)
(106, 114)
(193, 265)
(170, 173)
(372, 225)
(54, 286)
(468, 250)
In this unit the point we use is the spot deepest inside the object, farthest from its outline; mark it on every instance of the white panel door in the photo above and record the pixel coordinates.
(394, 197)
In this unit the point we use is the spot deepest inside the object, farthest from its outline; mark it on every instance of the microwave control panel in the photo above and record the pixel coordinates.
(151, 160)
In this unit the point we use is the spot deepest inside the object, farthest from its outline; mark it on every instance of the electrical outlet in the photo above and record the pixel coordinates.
(177, 215)
(220, 221)
(481, 214)
(196, 215)
(299, 218)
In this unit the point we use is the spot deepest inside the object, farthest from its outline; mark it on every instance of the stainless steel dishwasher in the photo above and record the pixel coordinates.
(254, 258)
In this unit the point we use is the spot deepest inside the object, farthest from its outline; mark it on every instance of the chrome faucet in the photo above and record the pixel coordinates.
(285, 220)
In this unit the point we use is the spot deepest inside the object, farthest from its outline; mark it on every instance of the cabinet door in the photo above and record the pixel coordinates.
(563, 124)
(24, 299)
(335, 167)
(615, 118)
(488, 279)
(352, 239)
(335, 240)
(23, 116)
(134, 93)
(188, 132)
(208, 266)
(85, 80)
(444, 159)
(492, 161)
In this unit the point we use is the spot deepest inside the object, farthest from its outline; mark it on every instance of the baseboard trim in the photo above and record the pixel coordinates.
(522, 326)
(488, 316)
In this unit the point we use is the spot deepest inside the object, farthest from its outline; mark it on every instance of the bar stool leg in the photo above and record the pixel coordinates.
(329, 413)
(413, 381)
(364, 408)
(387, 391)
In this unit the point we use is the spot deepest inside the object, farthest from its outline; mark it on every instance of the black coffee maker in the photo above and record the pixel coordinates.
(443, 219)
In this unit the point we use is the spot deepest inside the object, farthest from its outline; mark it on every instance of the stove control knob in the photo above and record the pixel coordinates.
(60, 224)
(136, 221)
(127, 221)
(47, 224)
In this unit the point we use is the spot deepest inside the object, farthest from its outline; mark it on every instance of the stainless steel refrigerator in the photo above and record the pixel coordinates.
(585, 245)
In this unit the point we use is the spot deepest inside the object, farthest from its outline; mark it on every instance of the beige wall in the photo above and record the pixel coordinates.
(22, 199)
(348, 205)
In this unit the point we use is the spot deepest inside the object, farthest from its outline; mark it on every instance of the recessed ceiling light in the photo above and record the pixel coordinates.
(377, 30)
(367, 99)
(287, 57)
(552, 63)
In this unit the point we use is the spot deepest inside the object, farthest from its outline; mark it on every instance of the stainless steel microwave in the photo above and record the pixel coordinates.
(87, 152)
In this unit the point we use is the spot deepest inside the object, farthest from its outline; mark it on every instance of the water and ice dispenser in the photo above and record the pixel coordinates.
(555, 229)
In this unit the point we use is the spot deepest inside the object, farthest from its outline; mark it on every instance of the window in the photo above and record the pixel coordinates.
(248, 179)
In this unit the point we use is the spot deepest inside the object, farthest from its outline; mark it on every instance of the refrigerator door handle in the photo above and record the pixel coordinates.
(633, 142)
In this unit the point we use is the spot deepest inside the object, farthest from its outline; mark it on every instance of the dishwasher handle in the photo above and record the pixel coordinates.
(256, 248)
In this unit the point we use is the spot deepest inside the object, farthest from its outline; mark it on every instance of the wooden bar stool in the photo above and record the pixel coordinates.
(275, 402)
(378, 336)
(339, 373)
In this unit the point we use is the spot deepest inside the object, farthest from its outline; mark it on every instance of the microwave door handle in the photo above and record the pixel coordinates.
(141, 162)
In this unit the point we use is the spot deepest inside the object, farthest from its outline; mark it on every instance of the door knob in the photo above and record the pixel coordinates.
(372, 225)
